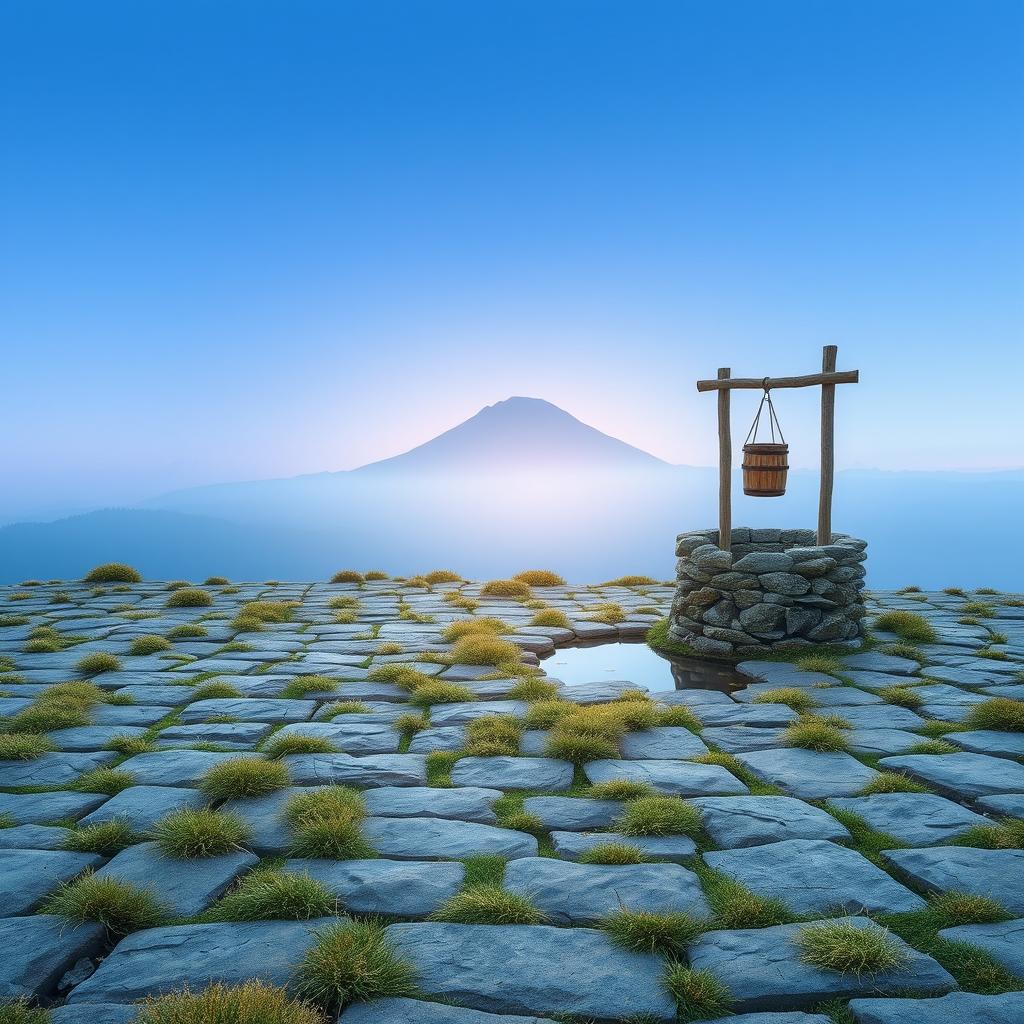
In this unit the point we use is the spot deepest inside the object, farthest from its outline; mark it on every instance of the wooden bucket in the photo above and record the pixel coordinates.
(764, 469)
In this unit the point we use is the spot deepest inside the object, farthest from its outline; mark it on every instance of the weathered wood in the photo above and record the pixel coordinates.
(810, 380)
(724, 465)
(828, 419)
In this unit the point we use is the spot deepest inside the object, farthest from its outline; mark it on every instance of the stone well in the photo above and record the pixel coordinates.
(775, 588)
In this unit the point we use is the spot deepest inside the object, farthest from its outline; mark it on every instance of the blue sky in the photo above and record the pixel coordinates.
(255, 239)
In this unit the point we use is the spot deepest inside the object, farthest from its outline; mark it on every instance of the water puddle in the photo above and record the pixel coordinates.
(588, 663)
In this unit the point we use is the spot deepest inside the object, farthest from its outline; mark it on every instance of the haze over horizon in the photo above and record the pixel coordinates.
(244, 245)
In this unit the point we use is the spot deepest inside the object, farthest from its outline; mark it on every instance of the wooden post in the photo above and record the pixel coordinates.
(828, 419)
(724, 465)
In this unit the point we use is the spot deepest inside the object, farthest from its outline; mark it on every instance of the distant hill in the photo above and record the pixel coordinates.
(523, 483)
(517, 435)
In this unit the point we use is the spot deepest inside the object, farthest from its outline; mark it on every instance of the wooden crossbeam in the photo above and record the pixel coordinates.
(826, 380)
(808, 381)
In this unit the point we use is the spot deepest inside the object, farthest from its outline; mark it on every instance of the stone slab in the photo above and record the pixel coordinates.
(57, 769)
(677, 849)
(399, 888)
(1004, 942)
(359, 772)
(27, 877)
(664, 742)
(249, 709)
(575, 894)
(678, 778)
(574, 971)
(442, 839)
(917, 819)
(32, 837)
(966, 776)
(762, 969)
(963, 1007)
(39, 949)
(513, 773)
(184, 887)
(739, 821)
(809, 774)
(160, 960)
(32, 808)
(812, 876)
(998, 874)
(573, 814)
(464, 803)
(173, 767)
(418, 1011)
(142, 806)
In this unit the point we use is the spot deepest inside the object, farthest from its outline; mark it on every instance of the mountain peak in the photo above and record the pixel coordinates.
(518, 434)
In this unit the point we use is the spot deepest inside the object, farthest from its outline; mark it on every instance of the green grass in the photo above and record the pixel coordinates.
(735, 906)
(268, 894)
(979, 608)
(279, 745)
(506, 588)
(892, 782)
(613, 853)
(680, 716)
(104, 780)
(866, 840)
(483, 649)
(734, 765)
(347, 576)
(343, 707)
(216, 691)
(302, 685)
(250, 1003)
(973, 969)
(326, 823)
(543, 714)
(646, 932)
(243, 777)
(551, 617)
(901, 696)
(999, 713)
(187, 631)
(100, 661)
(432, 693)
(113, 572)
(659, 816)
(118, 906)
(811, 733)
(194, 832)
(488, 904)
(478, 624)
(620, 789)
(934, 747)
(842, 946)
(608, 612)
(1007, 834)
(791, 696)
(352, 962)
(539, 578)
(439, 766)
(699, 995)
(189, 597)
(493, 736)
(150, 643)
(533, 689)
(579, 747)
(129, 746)
(908, 626)
(24, 746)
(20, 1012)
(105, 837)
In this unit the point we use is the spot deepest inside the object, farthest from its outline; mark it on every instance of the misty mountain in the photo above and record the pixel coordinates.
(521, 484)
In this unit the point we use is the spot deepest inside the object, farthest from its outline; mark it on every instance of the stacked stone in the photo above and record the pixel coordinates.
(775, 588)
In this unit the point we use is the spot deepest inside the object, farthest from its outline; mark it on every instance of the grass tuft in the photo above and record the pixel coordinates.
(812, 733)
(113, 572)
(349, 962)
(295, 743)
(621, 789)
(551, 617)
(901, 696)
(348, 576)
(646, 932)
(432, 693)
(483, 649)
(300, 686)
(243, 777)
(493, 736)
(999, 713)
(253, 1002)
(842, 946)
(539, 578)
(1007, 834)
(119, 906)
(187, 631)
(267, 894)
(613, 853)
(892, 782)
(467, 627)
(699, 995)
(488, 904)
(908, 626)
(100, 661)
(735, 906)
(24, 746)
(150, 643)
(189, 597)
(105, 837)
(104, 780)
(326, 823)
(195, 832)
(793, 697)
(659, 816)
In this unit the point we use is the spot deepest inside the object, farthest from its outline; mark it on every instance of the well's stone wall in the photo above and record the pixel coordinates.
(775, 588)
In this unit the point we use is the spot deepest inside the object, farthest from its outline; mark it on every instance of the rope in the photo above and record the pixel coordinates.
(773, 419)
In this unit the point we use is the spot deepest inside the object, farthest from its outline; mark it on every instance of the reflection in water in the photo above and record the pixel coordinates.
(636, 662)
